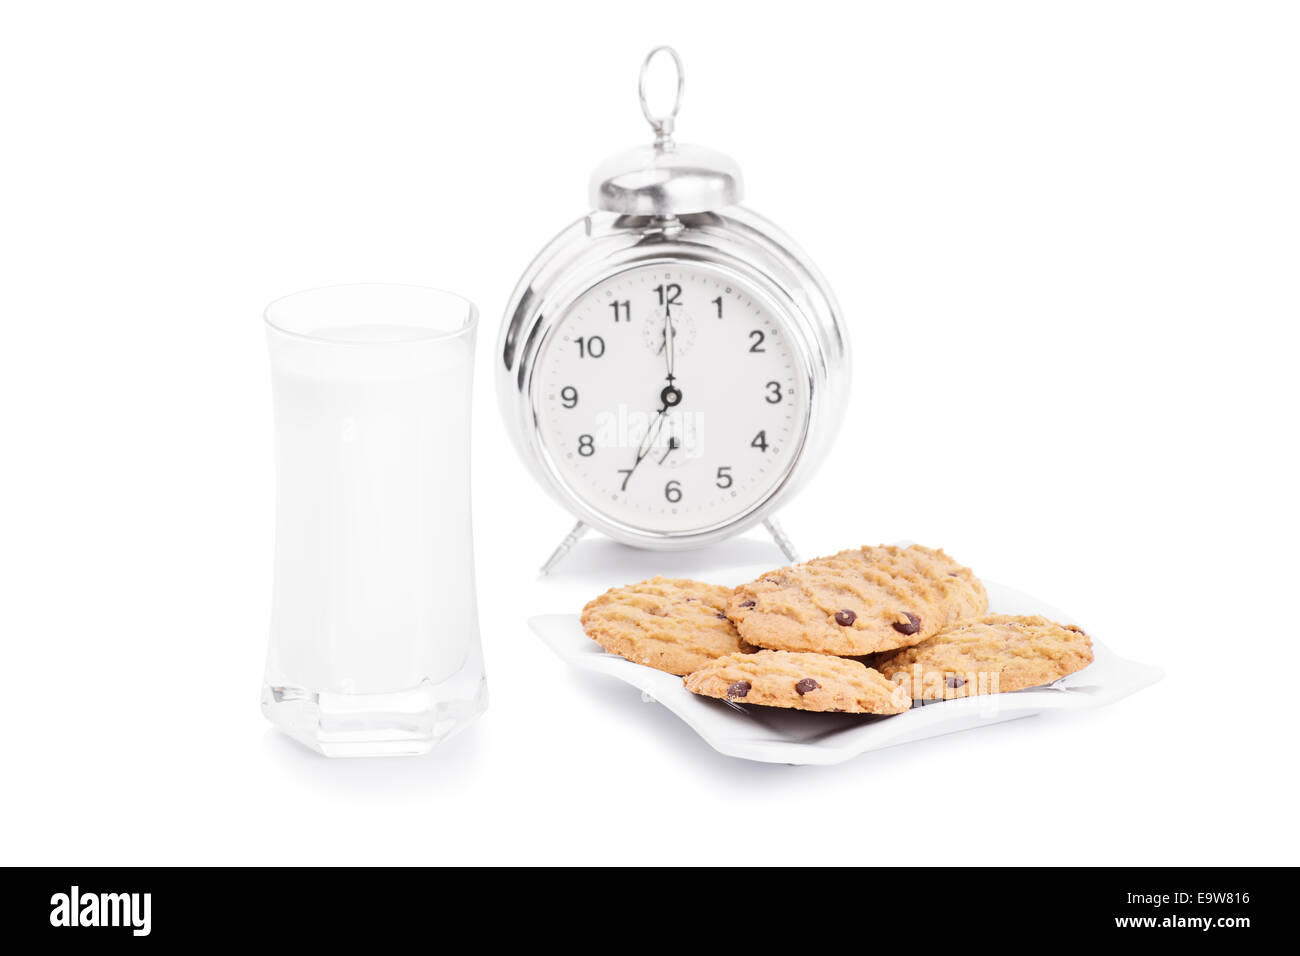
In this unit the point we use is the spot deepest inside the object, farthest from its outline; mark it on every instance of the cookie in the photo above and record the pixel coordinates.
(990, 655)
(672, 625)
(801, 681)
(857, 602)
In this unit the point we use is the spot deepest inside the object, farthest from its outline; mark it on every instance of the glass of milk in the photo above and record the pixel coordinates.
(374, 629)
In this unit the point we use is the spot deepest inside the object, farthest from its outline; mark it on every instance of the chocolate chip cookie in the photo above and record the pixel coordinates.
(672, 625)
(857, 602)
(990, 655)
(800, 681)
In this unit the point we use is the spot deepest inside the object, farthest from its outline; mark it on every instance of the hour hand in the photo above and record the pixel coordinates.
(651, 433)
(670, 397)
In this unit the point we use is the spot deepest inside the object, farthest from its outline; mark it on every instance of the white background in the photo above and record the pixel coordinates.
(1065, 237)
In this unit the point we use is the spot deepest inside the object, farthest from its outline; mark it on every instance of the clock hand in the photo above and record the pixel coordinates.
(670, 336)
(651, 434)
(669, 398)
(672, 447)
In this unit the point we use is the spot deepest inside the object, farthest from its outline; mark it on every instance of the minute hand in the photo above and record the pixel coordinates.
(670, 336)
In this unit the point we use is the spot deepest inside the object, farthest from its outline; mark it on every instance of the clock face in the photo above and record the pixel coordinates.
(671, 398)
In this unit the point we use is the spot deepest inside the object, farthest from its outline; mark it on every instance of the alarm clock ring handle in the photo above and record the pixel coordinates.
(662, 124)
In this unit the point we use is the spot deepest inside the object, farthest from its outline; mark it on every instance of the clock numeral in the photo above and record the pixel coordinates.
(773, 396)
(724, 476)
(718, 303)
(673, 491)
(760, 441)
(626, 473)
(569, 396)
(586, 446)
(756, 337)
(593, 346)
(669, 294)
(622, 311)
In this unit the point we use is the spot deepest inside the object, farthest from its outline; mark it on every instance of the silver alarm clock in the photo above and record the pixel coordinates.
(671, 366)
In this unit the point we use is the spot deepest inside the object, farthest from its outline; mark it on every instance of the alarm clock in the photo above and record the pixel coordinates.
(671, 367)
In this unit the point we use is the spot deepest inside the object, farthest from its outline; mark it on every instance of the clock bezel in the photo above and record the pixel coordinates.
(803, 372)
(601, 246)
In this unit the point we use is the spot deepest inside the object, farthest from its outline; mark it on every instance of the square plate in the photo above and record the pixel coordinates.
(774, 735)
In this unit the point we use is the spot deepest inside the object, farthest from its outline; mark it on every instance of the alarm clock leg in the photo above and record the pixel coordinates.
(569, 541)
(782, 540)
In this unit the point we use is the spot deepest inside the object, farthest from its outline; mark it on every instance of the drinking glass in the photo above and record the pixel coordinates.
(374, 628)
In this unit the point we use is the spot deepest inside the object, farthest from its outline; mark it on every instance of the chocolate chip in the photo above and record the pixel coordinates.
(806, 685)
(720, 616)
(845, 617)
(739, 689)
(952, 574)
(748, 603)
(955, 681)
(910, 626)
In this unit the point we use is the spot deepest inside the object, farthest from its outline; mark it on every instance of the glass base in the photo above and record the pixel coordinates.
(376, 725)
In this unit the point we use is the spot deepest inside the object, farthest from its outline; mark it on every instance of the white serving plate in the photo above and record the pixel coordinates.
(772, 735)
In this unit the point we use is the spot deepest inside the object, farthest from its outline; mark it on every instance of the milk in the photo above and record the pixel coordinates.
(374, 573)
